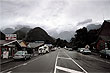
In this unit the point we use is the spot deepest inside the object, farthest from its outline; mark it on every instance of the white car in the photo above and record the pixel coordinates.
(86, 51)
(53, 49)
(46, 48)
(80, 50)
(40, 50)
(22, 55)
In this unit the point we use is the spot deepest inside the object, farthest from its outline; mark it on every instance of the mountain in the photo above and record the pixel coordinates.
(54, 34)
(19, 26)
(93, 26)
(66, 35)
(24, 28)
(21, 33)
(2, 36)
(8, 31)
(38, 34)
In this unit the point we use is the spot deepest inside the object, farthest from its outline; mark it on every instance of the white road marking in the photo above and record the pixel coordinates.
(76, 63)
(96, 59)
(65, 58)
(56, 62)
(25, 64)
(9, 72)
(67, 70)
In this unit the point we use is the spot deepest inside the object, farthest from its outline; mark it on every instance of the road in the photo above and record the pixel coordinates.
(59, 61)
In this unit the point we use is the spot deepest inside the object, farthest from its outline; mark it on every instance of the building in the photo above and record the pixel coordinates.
(103, 41)
(10, 46)
(33, 46)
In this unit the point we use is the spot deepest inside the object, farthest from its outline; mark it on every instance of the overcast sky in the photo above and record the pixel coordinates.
(58, 15)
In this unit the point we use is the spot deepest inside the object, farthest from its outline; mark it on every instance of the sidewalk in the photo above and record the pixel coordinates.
(94, 53)
(3, 61)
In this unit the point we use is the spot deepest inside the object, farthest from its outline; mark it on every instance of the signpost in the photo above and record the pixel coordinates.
(10, 37)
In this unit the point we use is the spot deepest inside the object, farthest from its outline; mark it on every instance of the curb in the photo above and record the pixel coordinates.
(95, 53)
(6, 62)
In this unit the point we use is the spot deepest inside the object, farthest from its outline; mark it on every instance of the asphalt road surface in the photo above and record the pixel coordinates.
(59, 61)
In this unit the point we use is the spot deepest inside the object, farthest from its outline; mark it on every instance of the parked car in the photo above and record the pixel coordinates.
(40, 50)
(105, 53)
(22, 55)
(80, 50)
(70, 49)
(53, 49)
(86, 51)
(43, 49)
(46, 49)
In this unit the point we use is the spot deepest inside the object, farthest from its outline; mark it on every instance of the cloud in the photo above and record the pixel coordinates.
(53, 14)
(85, 22)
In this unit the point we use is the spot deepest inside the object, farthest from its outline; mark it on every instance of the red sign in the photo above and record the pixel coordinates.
(10, 37)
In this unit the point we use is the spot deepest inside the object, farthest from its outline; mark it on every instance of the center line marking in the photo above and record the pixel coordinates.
(67, 70)
(76, 63)
(64, 58)
(56, 62)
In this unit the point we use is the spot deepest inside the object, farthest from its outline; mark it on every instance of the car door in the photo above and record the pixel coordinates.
(103, 52)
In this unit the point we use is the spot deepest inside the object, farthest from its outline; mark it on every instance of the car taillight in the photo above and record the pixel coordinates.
(16, 55)
(22, 55)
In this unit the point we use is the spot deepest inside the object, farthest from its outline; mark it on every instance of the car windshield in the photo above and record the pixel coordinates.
(86, 49)
(20, 53)
(107, 51)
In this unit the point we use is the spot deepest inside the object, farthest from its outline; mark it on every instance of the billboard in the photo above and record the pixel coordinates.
(10, 37)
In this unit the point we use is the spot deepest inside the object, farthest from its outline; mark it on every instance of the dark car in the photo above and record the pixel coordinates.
(105, 53)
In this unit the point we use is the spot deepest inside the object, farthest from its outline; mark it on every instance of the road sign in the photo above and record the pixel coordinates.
(10, 37)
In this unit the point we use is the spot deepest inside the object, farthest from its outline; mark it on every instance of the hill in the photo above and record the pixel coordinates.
(21, 33)
(38, 34)
(8, 31)
(2, 36)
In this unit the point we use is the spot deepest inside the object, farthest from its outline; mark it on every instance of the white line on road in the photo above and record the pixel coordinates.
(64, 58)
(9, 72)
(56, 62)
(68, 70)
(76, 63)
(25, 64)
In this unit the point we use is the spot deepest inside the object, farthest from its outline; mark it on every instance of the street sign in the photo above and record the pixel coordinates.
(10, 37)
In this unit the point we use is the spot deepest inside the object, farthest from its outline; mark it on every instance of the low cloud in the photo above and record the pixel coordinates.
(85, 22)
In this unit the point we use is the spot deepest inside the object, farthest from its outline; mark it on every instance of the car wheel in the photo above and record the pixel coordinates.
(25, 58)
(30, 57)
(100, 55)
(106, 56)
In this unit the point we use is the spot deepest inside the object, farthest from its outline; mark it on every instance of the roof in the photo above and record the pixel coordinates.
(19, 41)
(4, 41)
(22, 44)
(7, 42)
(104, 32)
(48, 44)
(34, 44)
